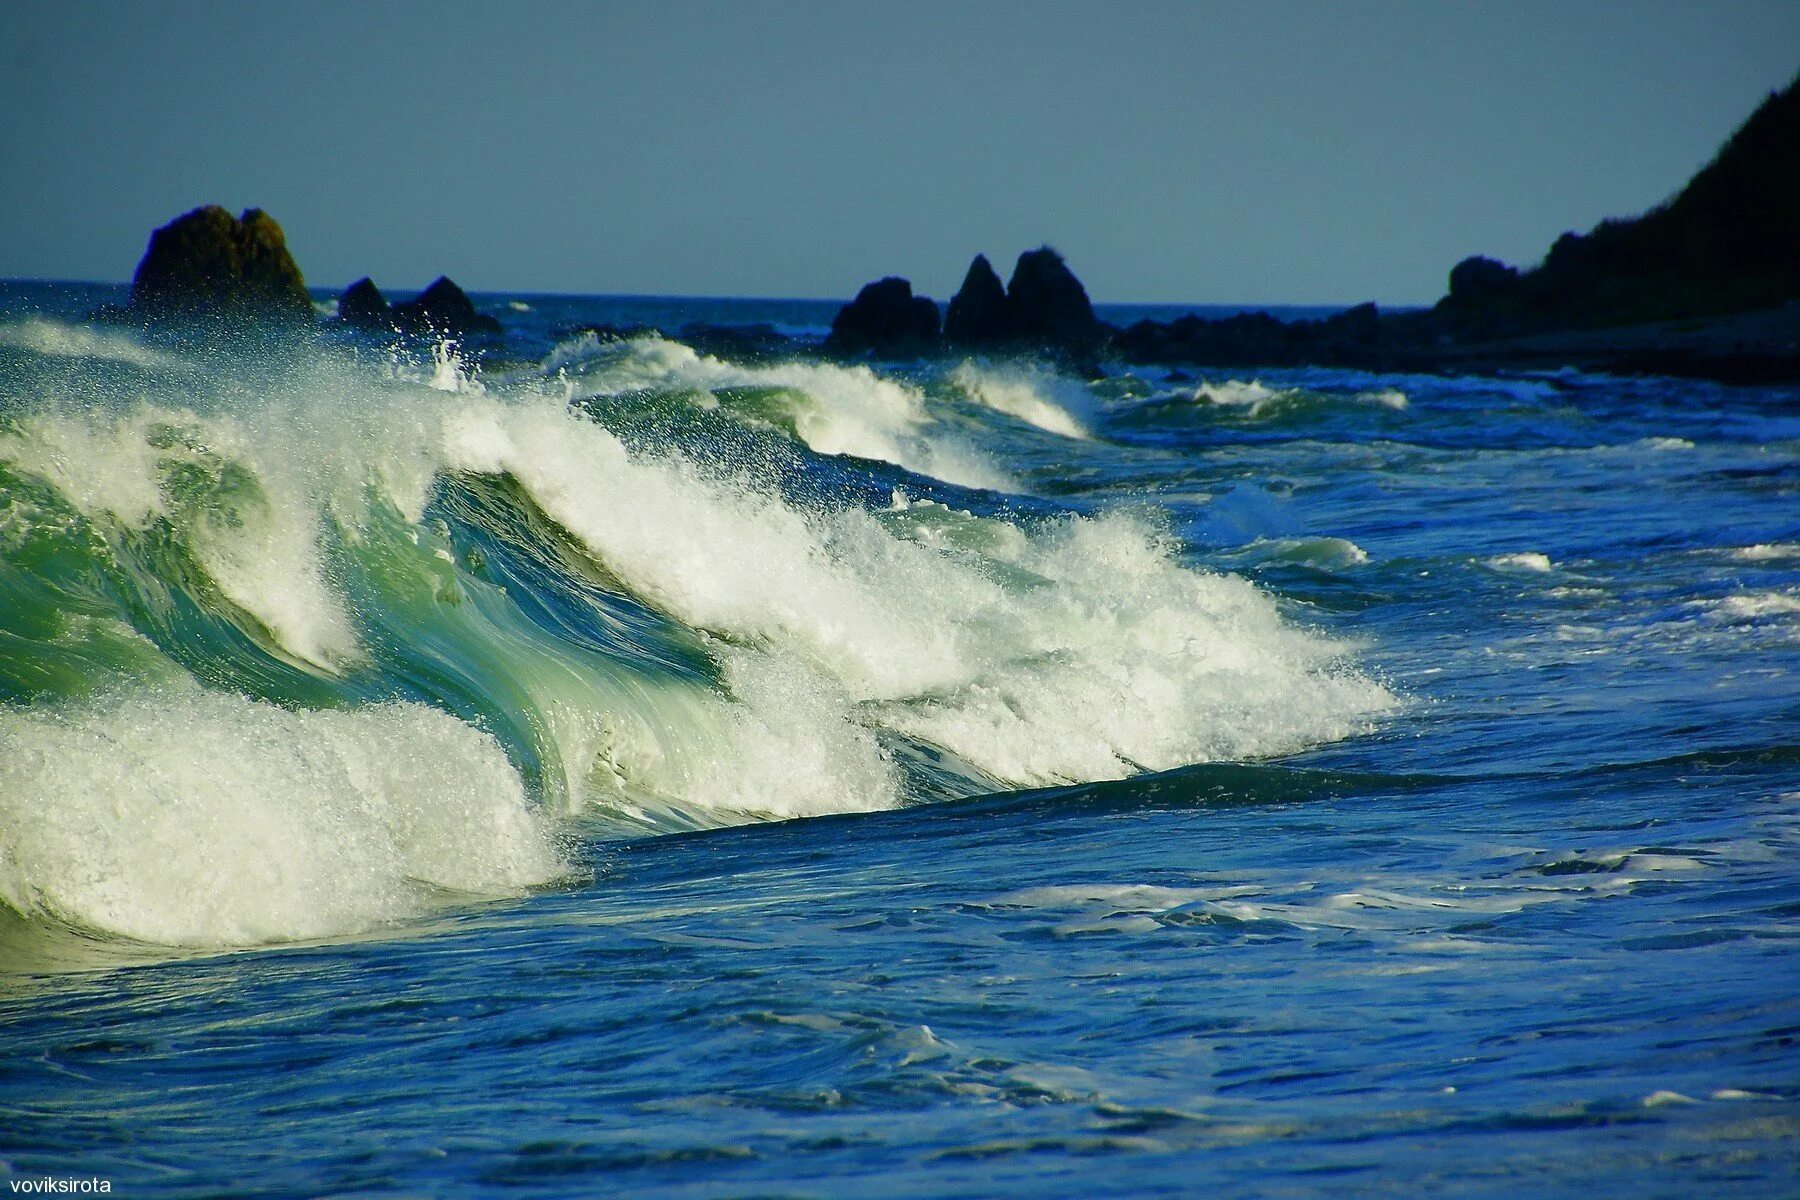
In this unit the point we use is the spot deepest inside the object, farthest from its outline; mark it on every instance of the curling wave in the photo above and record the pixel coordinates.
(298, 643)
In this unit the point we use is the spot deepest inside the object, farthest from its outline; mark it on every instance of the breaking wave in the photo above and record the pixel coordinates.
(298, 644)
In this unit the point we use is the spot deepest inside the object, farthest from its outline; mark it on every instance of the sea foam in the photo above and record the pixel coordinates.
(1032, 393)
(190, 818)
(832, 409)
(816, 637)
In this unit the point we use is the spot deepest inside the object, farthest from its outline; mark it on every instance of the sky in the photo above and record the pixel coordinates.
(1308, 153)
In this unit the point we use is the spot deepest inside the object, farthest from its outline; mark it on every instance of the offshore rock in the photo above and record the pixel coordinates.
(362, 306)
(209, 264)
(444, 310)
(979, 314)
(887, 318)
(1352, 336)
(1359, 325)
(1048, 307)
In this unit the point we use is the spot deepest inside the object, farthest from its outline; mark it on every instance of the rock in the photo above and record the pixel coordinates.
(1048, 306)
(885, 317)
(210, 264)
(979, 314)
(1477, 281)
(1358, 326)
(444, 310)
(362, 306)
(1727, 242)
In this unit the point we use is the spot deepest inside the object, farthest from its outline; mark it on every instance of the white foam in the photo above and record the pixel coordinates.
(1328, 553)
(1525, 560)
(1664, 1098)
(833, 409)
(1032, 393)
(1077, 651)
(1117, 897)
(1238, 393)
(1751, 606)
(191, 818)
(1665, 443)
(1392, 398)
(58, 340)
(255, 536)
(1067, 649)
(1767, 552)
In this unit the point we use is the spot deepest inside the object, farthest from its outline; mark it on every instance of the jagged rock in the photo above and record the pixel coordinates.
(362, 306)
(444, 310)
(979, 314)
(885, 317)
(208, 263)
(1048, 306)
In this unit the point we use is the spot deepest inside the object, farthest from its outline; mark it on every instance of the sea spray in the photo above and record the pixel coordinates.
(1080, 650)
(1030, 392)
(194, 818)
(833, 409)
(288, 567)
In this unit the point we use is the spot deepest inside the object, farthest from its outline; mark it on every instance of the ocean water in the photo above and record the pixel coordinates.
(617, 770)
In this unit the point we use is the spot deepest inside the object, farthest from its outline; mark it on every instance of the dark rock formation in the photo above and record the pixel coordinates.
(887, 318)
(444, 310)
(1359, 325)
(1728, 242)
(1478, 281)
(210, 264)
(979, 315)
(1044, 309)
(1047, 305)
(1353, 336)
(362, 306)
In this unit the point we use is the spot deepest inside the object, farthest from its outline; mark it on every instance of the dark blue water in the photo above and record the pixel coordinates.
(1457, 858)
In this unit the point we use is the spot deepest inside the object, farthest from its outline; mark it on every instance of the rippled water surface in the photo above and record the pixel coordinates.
(623, 770)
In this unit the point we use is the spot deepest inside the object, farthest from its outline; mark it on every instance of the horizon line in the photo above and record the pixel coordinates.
(521, 292)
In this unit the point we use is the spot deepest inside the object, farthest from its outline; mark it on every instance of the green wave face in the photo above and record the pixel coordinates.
(294, 643)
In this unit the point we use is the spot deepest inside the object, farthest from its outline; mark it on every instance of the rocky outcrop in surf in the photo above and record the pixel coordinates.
(441, 310)
(979, 316)
(444, 310)
(1047, 306)
(362, 306)
(886, 318)
(1044, 308)
(1350, 337)
(208, 264)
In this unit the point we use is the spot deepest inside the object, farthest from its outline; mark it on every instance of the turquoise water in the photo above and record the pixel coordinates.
(616, 770)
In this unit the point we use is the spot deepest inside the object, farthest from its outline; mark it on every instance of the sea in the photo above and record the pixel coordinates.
(611, 767)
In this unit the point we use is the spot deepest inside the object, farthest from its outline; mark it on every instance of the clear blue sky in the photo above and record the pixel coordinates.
(1260, 153)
